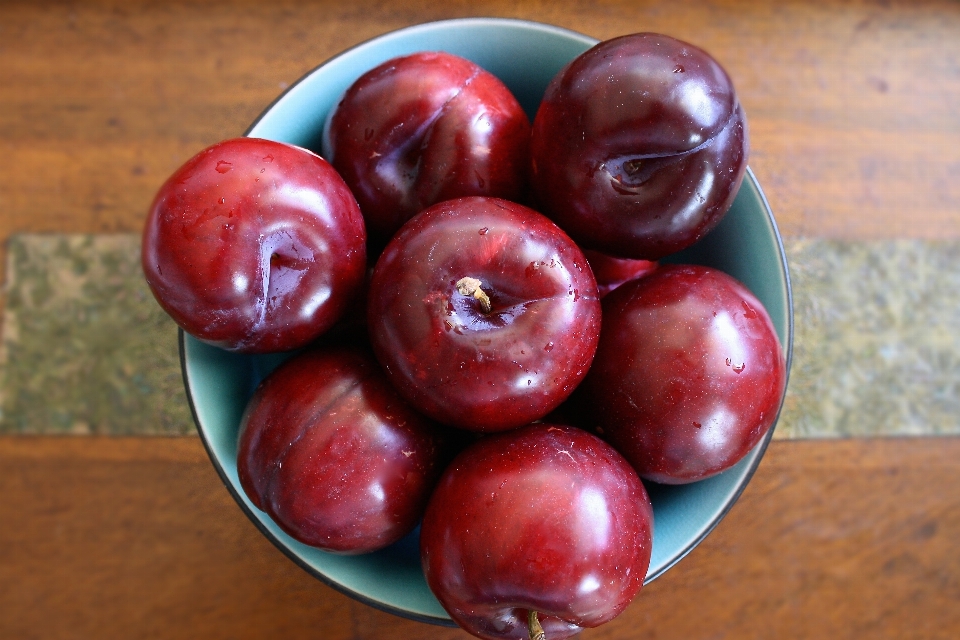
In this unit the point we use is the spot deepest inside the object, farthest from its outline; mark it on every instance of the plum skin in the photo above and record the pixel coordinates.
(451, 360)
(689, 374)
(330, 451)
(612, 272)
(639, 146)
(546, 518)
(423, 128)
(254, 246)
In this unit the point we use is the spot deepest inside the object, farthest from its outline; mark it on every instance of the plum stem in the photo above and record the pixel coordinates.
(471, 287)
(633, 166)
(536, 631)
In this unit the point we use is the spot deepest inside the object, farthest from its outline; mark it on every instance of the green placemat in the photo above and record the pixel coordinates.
(86, 349)
(877, 339)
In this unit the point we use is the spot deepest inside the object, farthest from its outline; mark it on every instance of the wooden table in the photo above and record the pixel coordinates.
(854, 113)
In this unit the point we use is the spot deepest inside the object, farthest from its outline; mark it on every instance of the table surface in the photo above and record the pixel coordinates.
(855, 131)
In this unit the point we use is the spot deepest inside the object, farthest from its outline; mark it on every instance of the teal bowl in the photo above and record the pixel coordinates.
(525, 55)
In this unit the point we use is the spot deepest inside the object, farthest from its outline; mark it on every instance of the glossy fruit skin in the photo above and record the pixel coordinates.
(424, 128)
(689, 374)
(463, 367)
(331, 452)
(254, 246)
(611, 272)
(639, 146)
(545, 517)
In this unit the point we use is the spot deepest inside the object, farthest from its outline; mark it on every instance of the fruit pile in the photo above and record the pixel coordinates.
(438, 280)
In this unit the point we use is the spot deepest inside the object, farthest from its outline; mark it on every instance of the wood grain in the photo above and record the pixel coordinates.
(137, 538)
(852, 105)
(855, 134)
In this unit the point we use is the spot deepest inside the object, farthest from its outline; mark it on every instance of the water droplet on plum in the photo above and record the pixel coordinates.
(737, 368)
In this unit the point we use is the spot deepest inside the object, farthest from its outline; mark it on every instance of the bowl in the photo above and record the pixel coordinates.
(525, 55)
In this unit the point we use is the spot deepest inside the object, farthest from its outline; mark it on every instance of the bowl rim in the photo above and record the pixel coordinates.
(760, 448)
(286, 550)
(423, 27)
(757, 452)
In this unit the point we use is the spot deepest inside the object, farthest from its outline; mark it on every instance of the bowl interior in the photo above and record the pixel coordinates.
(525, 56)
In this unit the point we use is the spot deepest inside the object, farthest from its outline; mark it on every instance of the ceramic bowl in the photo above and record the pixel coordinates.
(525, 55)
